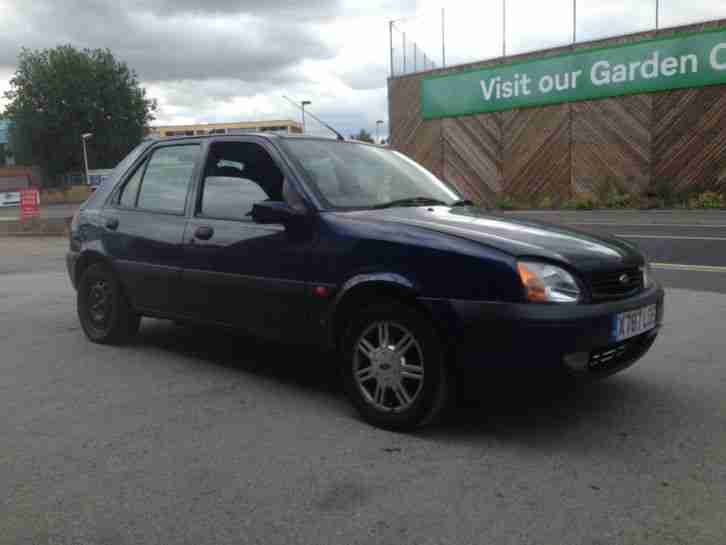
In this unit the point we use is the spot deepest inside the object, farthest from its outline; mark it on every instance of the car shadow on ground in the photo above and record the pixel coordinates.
(504, 406)
(296, 366)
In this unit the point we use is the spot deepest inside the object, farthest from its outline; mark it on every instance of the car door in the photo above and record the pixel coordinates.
(144, 224)
(238, 272)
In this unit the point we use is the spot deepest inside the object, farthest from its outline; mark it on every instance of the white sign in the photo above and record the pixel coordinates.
(11, 198)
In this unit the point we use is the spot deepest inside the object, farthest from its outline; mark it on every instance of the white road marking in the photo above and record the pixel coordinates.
(668, 237)
(617, 224)
(681, 267)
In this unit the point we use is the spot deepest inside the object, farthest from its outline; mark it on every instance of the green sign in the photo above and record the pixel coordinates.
(685, 60)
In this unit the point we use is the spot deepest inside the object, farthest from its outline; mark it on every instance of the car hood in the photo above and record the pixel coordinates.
(516, 237)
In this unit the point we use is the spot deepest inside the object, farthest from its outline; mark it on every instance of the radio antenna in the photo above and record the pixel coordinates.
(316, 118)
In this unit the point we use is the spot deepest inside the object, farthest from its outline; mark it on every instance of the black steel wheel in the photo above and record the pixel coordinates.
(105, 314)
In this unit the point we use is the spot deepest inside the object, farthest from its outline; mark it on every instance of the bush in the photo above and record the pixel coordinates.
(506, 203)
(546, 202)
(664, 192)
(618, 200)
(708, 200)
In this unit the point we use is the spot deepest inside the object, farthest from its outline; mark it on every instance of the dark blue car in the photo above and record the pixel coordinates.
(358, 249)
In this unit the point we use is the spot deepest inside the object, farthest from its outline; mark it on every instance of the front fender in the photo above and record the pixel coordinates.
(393, 283)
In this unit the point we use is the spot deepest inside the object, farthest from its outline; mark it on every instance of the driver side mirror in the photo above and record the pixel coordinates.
(267, 212)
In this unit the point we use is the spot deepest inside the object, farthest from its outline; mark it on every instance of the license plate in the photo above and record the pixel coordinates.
(632, 323)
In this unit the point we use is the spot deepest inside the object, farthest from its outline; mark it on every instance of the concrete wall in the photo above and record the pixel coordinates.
(571, 149)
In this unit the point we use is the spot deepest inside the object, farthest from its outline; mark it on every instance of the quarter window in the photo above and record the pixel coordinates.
(167, 178)
(128, 196)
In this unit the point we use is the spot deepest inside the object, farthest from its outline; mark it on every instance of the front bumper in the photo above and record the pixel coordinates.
(573, 338)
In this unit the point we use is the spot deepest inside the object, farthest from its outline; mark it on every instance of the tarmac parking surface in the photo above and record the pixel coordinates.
(199, 436)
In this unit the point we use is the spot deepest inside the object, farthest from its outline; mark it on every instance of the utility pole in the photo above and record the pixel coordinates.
(378, 125)
(574, 22)
(303, 104)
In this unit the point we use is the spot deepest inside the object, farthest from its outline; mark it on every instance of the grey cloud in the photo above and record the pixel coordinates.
(295, 9)
(243, 46)
(370, 76)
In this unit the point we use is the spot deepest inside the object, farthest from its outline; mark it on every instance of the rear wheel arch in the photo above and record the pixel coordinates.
(88, 258)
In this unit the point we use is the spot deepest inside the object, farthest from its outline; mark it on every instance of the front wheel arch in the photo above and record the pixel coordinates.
(365, 292)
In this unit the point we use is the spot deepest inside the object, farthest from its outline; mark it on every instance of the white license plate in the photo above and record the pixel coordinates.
(635, 322)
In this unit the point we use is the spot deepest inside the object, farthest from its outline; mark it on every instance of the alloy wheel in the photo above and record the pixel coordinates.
(388, 366)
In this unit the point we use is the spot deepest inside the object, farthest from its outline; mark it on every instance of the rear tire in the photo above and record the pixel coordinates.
(105, 314)
(394, 367)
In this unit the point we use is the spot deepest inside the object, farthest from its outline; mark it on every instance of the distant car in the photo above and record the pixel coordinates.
(358, 249)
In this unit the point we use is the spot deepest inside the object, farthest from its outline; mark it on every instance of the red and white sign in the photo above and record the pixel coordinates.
(29, 203)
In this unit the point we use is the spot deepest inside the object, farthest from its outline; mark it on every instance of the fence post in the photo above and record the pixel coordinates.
(404, 52)
(443, 40)
(657, 13)
(390, 37)
(504, 28)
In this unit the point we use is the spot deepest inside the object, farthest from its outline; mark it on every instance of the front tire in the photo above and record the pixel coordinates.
(394, 366)
(105, 314)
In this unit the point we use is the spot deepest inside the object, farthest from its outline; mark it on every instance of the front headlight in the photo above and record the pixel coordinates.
(545, 283)
(647, 272)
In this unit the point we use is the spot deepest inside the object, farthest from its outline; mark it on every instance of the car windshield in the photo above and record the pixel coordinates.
(354, 175)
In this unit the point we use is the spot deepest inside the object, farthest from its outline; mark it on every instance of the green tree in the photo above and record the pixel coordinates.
(363, 136)
(56, 95)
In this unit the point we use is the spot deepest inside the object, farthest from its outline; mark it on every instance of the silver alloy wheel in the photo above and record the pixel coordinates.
(388, 366)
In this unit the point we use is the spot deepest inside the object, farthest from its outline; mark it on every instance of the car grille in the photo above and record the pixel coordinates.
(615, 356)
(609, 285)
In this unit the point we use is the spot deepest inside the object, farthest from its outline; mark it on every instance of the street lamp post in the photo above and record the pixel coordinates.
(378, 125)
(303, 104)
(84, 137)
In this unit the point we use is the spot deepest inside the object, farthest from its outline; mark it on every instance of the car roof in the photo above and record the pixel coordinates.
(267, 135)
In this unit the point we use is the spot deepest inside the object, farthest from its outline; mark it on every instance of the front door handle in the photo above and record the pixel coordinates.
(204, 232)
(112, 223)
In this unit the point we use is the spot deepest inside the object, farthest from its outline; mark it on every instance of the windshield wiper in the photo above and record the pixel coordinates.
(411, 201)
(462, 202)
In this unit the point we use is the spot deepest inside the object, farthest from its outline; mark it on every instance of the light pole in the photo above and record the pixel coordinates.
(303, 104)
(378, 125)
(84, 137)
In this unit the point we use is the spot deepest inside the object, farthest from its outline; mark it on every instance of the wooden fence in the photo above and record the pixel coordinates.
(561, 151)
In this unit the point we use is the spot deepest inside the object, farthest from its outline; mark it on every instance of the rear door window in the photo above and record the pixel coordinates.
(167, 178)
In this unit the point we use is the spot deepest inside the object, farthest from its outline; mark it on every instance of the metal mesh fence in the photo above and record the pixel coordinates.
(407, 56)
(466, 31)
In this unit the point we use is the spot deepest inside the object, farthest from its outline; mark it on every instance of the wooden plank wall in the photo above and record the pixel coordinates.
(565, 150)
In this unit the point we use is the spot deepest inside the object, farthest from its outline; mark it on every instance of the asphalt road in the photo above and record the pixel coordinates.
(205, 437)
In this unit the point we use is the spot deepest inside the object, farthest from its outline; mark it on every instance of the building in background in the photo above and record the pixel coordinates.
(285, 126)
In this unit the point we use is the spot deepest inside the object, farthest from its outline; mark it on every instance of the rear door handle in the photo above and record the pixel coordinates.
(204, 232)
(112, 223)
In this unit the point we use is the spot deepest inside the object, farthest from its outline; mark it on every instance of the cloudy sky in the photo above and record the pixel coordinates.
(231, 60)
